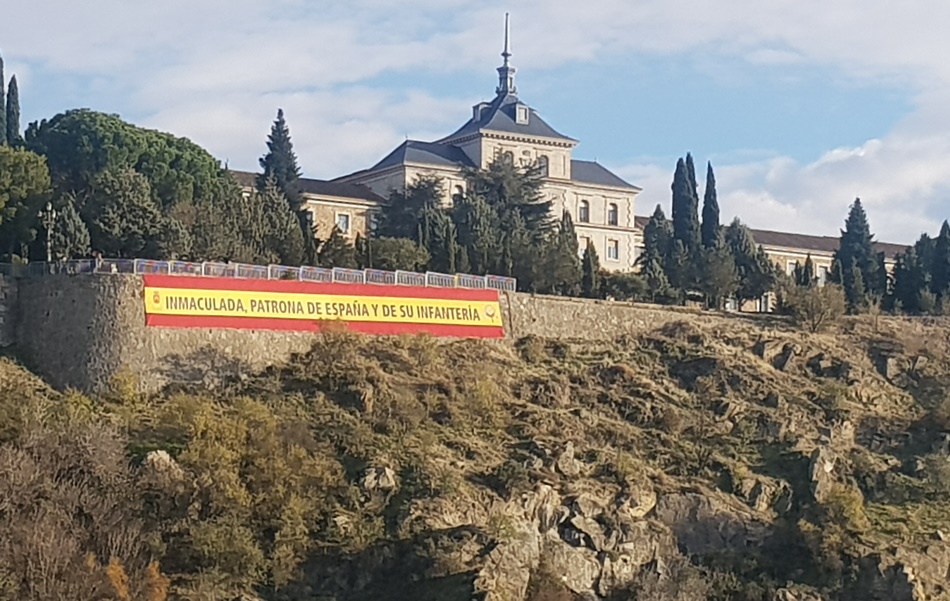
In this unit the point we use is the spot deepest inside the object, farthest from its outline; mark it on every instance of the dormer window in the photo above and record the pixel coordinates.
(521, 114)
(477, 111)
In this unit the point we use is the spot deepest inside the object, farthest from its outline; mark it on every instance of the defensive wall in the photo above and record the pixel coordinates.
(78, 330)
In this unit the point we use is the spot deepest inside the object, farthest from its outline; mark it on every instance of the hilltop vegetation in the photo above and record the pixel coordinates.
(731, 460)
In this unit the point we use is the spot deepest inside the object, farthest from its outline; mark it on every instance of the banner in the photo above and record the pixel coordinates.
(199, 302)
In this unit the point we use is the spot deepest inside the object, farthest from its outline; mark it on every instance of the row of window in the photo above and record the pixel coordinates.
(613, 213)
(613, 248)
(821, 275)
(509, 157)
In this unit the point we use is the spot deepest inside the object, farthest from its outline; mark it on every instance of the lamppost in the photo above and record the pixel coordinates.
(49, 219)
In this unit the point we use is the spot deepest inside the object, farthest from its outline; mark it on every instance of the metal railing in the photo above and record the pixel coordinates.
(259, 272)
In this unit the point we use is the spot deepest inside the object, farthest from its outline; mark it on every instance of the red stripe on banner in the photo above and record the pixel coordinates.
(379, 328)
(295, 286)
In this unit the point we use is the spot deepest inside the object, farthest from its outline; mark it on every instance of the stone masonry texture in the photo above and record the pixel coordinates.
(78, 331)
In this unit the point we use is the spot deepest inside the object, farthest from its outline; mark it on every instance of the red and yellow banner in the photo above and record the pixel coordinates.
(197, 302)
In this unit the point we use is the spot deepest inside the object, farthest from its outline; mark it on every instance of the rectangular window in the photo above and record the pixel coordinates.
(613, 250)
(822, 275)
(343, 222)
(582, 243)
(790, 267)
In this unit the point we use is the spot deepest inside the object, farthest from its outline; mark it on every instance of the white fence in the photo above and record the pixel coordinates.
(260, 272)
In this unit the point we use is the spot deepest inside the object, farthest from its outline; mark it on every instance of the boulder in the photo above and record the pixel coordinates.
(543, 508)
(578, 567)
(593, 533)
(637, 502)
(821, 473)
(565, 463)
(381, 479)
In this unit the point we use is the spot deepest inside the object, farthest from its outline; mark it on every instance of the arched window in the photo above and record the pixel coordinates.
(508, 157)
(613, 214)
(583, 214)
(543, 165)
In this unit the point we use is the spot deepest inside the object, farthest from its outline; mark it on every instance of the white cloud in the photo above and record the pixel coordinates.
(216, 70)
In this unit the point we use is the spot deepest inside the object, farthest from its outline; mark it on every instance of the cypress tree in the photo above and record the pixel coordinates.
(564, 267)
(804, 275)
(940, 267)
(685, 208)
(712, 233)
(657, 236)
(13, 113)
(280, 163)
(3, 110)
(590, 272)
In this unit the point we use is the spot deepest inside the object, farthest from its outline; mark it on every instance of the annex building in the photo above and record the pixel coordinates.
(601, 203)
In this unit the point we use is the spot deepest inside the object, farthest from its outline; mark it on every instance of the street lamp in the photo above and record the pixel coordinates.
(49, 219)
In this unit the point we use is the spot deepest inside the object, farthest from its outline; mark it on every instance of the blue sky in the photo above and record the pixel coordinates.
(801, 105)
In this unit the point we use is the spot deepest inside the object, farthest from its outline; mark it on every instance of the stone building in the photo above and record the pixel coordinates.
(601, 203)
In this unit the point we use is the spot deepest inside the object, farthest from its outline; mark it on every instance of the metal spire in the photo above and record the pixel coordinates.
(506, 73)
(506, 55)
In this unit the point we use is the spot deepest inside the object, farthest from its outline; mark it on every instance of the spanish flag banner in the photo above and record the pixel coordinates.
(199, 302)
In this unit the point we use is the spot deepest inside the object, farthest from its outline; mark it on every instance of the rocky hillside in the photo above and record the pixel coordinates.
(741, 460)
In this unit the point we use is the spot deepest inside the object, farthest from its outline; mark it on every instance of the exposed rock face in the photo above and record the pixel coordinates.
(710, 523)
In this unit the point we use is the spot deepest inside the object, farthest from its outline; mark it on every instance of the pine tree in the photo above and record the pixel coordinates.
(856, 251)
(70, 236)
(283, 237)
(280, 163)
(720, 279)
(124, 220)
(590, 272)
(754, 269)
(711, 230)
(658, 286)
(13, 113)
(3, 109)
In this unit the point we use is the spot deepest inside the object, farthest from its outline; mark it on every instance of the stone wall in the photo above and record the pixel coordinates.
(77, 331)
(586, 319)
(8, 306)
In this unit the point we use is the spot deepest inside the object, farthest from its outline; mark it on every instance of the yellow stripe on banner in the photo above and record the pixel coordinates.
(290, 305)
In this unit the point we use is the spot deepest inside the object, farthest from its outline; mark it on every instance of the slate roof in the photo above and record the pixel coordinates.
(591, 172)
(803, 242)
(318, 187)
(426, 153)
(499, 116)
